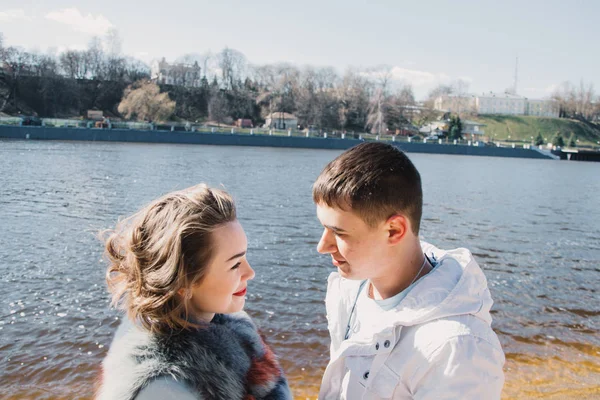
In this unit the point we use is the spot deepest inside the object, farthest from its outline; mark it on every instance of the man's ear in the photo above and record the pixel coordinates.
(397, 227)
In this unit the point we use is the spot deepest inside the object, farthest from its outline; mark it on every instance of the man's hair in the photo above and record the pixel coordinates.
(373, 180)
(165, 247)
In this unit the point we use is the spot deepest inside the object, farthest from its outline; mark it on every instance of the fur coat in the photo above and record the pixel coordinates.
(227, 360)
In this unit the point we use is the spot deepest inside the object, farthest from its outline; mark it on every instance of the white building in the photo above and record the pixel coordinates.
(505, 103)
(496, 103)
(542, 108)
(281, 120)
(455, 104)
(178, 74)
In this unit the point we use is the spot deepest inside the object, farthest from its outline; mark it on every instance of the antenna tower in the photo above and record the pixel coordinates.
(516, 76)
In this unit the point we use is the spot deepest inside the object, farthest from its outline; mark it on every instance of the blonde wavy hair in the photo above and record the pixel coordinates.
(161, 249)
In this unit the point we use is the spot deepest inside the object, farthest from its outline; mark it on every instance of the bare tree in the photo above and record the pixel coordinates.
(233, 67)
(16, 61)
(217, 107)
(440, 90)
(136, 70)
(74, 64)
(575, 102)
(378, 104)
(114, 43)
(461, 101)
(43, 65)
(95, 58)
(144, 101)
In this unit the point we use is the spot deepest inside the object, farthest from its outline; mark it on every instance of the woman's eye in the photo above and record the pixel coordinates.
(236, 266)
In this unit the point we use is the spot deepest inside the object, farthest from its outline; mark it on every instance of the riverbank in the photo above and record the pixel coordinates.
(522, 128)
(238, 139)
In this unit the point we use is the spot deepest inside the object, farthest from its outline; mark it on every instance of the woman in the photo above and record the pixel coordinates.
(178, 269)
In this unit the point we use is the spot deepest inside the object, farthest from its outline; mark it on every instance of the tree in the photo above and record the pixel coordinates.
(539, 140)
(217, 107)
(143, 100)
(95, 58)
(233, 67)
(573, 140)
(455, 127)
(136, 70)
(378, 105)
(558, 141)
(114, 43)
(74, 64)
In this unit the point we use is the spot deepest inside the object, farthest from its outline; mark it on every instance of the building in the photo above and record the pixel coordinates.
(496, 103)
(281, 120)
(435, 128)
(244, 123)
(472, 129)
(178, 74)
(542, 108)
(455, 104)
(505, 104)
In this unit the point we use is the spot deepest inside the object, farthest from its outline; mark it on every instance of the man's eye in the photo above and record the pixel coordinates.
(236, 266)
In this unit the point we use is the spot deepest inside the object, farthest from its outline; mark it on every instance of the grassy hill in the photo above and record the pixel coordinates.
(522, 128)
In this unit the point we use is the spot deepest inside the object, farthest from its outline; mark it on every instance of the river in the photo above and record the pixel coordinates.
(533, 225)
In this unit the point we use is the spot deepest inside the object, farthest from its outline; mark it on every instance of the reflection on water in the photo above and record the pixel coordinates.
(532, 225)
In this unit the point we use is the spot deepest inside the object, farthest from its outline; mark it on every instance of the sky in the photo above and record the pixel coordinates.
(426, 43)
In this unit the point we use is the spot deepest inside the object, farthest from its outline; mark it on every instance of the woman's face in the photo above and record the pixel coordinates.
(222, 290)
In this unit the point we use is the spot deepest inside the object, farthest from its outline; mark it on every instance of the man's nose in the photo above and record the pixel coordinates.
(327, 243)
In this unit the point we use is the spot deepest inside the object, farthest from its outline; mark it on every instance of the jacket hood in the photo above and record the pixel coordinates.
(456, 286)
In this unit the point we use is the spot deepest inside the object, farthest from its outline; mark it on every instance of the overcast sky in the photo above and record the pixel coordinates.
(426, 42)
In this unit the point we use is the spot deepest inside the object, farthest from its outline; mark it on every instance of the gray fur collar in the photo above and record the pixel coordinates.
(226, 360)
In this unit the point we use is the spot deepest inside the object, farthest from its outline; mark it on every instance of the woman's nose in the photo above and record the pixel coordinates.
(250, 272)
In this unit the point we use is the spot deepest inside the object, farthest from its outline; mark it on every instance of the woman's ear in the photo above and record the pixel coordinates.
(397, 227)
(185, 293)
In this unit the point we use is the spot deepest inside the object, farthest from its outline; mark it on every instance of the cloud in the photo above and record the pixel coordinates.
(94, 25)
(552, 88)
(418, 78)
(62, 49)
(15, 15)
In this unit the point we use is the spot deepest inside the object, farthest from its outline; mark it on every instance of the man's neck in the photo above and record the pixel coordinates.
(402, 274)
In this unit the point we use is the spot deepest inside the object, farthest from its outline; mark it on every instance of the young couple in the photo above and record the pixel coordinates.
(407, 320)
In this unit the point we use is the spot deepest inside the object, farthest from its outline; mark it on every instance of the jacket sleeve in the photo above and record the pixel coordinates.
(465, 367)
(167, 388)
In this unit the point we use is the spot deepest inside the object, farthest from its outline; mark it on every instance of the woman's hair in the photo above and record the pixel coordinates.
(163, 248)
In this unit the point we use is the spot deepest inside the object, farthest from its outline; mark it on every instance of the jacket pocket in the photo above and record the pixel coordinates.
(383, 384)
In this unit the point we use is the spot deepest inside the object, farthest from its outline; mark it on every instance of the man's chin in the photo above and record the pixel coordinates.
(346, 272)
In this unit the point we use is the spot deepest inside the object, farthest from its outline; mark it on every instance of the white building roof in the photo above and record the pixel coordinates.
(493, 95)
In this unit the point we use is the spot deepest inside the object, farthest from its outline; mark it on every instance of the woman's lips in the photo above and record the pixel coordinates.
(241, 292)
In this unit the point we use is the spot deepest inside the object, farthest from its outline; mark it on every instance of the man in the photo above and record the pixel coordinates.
(407, 320)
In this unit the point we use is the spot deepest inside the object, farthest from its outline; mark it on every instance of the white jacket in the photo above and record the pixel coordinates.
(436, 344)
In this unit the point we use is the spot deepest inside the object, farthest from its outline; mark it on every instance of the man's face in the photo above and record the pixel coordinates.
(356, 249)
